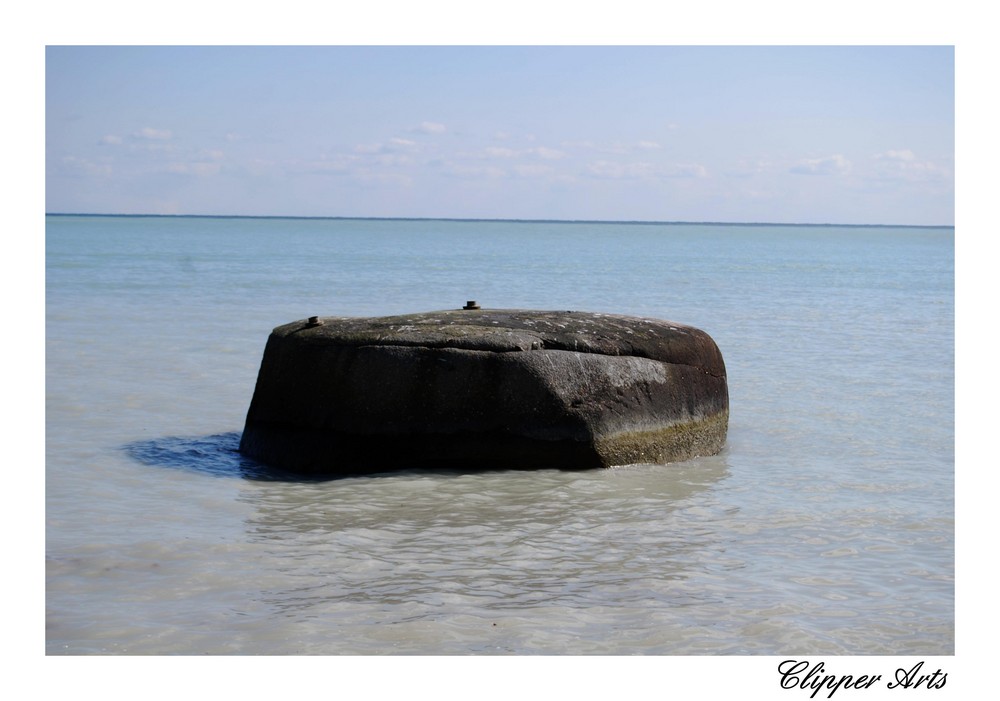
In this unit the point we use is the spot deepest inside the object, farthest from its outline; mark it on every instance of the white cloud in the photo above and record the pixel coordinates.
(71, 165)
(200, 169)
(902, 155)
(148, 147)
(533, 170)
(153, 134)
(500, 152)
(206, 163)
(429, 128)
(904, 165)
(830, 165)
(747, 169)
(644, 170)
(394, 145)
(617, 147)
(546, 153)
(503, 152)
(686, 170)
(111, 140)
(617, 171)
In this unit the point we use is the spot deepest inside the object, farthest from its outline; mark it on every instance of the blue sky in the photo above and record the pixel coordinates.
(848, 134)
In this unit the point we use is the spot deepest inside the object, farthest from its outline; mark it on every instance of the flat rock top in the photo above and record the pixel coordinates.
(511, 330)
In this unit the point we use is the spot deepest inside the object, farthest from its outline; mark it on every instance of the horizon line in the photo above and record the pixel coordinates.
(510, 220)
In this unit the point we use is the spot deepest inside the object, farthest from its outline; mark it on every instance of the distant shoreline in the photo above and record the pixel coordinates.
(514, 221)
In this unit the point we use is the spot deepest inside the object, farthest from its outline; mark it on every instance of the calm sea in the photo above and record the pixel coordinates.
(825, 527)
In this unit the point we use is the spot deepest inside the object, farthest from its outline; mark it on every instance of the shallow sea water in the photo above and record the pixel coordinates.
(826, 526)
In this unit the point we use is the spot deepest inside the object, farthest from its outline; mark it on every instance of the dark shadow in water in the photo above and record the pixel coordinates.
(217, 455)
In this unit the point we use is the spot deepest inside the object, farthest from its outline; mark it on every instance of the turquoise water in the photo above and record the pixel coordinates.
(826, 526)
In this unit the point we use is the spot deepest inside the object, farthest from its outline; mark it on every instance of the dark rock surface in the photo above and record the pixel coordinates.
(485, 388)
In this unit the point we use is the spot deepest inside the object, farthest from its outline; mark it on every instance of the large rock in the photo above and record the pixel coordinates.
(485, 389)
